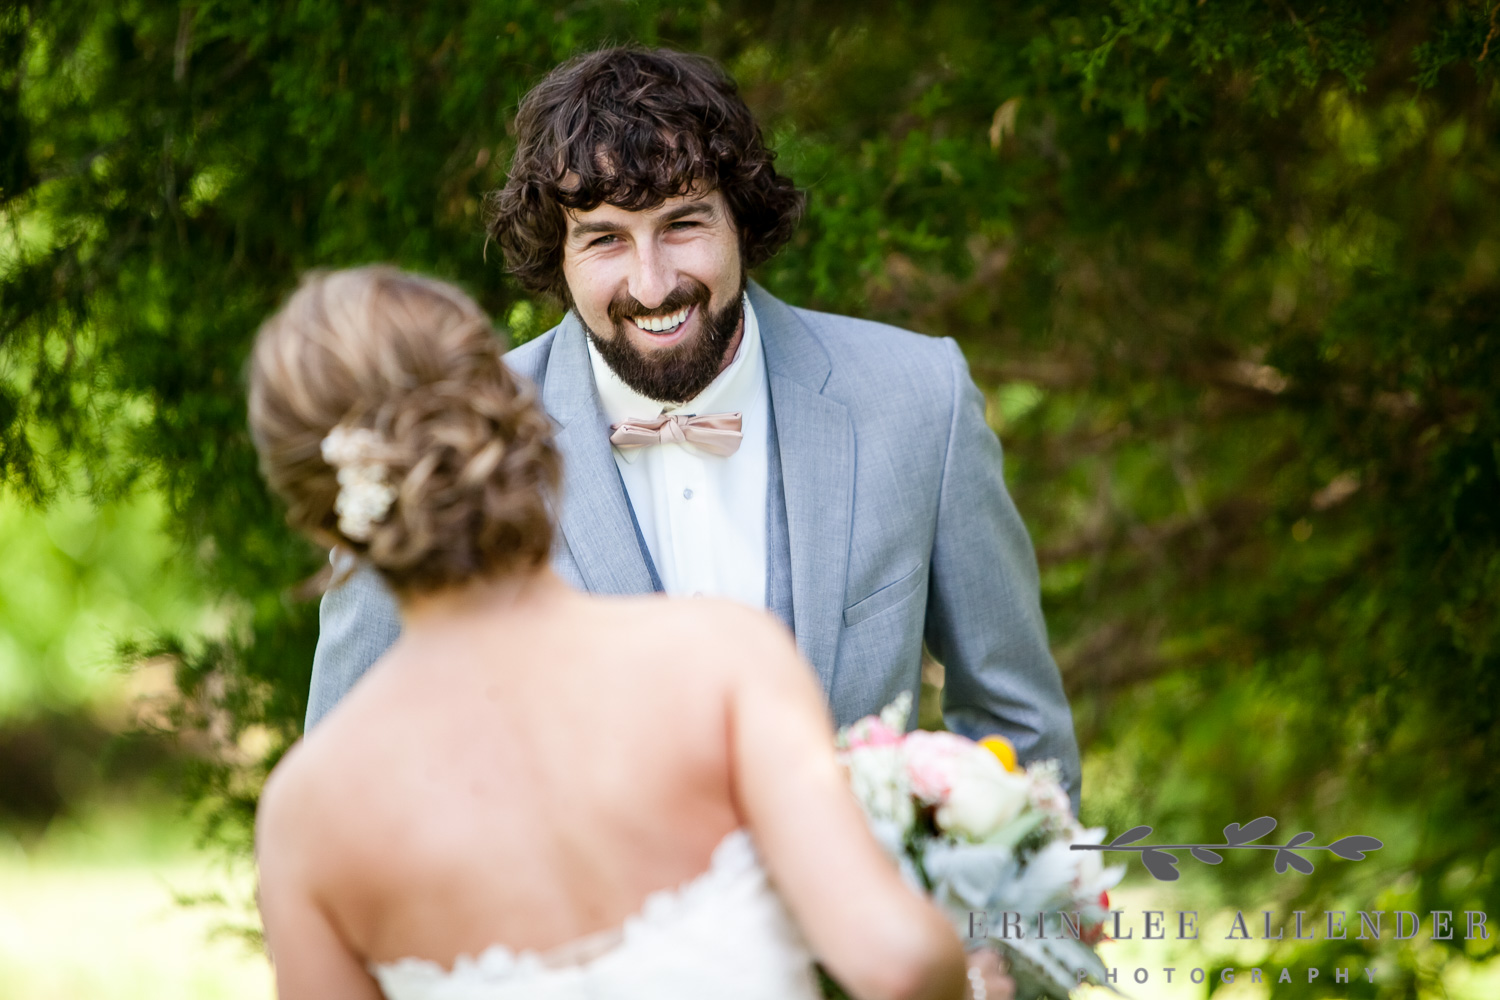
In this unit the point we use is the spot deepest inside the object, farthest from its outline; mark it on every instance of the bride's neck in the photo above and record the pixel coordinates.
(482, 598)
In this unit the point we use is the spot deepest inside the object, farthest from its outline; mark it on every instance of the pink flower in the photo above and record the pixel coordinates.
(933, 761)
(870, 732)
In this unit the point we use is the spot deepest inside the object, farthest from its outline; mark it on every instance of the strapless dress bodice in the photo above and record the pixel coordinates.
(725, 934)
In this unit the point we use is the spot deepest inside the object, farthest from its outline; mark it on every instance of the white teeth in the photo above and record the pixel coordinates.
(661, 324)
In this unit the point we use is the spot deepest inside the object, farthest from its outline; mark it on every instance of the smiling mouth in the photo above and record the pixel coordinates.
(663, 324)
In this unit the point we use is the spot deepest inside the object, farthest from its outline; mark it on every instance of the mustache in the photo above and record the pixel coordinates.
(690, 292)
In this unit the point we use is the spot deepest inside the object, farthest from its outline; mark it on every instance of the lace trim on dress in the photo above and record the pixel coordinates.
(732, 858)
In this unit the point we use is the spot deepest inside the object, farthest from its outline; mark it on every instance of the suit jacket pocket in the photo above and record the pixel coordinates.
(884, 599)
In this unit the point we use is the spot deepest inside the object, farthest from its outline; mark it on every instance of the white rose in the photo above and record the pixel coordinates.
(983, 796)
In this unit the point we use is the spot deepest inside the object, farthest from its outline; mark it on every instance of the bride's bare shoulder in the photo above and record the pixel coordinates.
(288, 804)
(693, 614)
(727, 632)
(305, 789)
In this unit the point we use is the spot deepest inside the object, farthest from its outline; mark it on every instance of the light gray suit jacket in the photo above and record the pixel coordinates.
(896, 527)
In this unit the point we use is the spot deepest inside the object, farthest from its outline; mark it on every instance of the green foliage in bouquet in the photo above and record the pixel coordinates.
(1229, 272)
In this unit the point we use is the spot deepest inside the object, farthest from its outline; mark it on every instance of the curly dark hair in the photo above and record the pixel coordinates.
(633, 127)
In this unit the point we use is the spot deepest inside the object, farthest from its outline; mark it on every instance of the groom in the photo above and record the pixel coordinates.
(715, 440)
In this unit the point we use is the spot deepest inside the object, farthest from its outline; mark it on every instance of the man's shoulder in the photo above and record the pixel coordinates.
(530, 359)
(865, 336)
(866, 355)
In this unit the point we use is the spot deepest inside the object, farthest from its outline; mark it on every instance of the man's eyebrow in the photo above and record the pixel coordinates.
(590, 228)
(691, 208)
(680, 212)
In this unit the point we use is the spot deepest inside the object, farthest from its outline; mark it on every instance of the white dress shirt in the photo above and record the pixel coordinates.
(703, 516)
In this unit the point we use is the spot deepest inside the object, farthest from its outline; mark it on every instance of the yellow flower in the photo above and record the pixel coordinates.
(1002, 749)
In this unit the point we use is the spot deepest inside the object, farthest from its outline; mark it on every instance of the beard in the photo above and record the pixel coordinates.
(678, 373)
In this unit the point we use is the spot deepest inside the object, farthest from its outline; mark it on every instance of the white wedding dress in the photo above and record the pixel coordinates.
(725, 935)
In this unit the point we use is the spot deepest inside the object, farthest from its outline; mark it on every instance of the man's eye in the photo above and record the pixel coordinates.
(682, 225)
(603, 241)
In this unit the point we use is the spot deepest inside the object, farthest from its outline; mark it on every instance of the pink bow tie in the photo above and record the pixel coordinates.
(715, 433)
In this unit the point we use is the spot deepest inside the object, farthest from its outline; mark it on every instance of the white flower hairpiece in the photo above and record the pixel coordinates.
(364, 495)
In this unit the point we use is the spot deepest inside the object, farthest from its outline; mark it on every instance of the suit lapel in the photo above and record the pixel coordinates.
(816, 438)
(594, 513)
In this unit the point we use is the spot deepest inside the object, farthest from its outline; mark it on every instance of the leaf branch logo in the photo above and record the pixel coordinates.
(1162, 863)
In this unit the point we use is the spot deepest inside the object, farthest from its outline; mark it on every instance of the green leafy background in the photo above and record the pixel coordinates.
(1228, 271)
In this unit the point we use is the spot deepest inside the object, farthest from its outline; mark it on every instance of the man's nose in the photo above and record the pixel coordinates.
(653, 279)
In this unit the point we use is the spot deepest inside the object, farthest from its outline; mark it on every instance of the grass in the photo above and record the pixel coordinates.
(89, 911)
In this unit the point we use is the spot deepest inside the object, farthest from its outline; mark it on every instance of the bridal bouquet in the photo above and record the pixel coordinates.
(988, 841)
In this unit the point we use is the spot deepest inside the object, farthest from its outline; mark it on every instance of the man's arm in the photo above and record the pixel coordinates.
(984, 614)
(357, 622)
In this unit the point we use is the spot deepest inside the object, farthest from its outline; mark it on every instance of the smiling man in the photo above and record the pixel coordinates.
(673, 256)
(661, 295)
(837, 472)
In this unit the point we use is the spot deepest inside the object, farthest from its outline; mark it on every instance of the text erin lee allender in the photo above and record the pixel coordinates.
(1154, 926)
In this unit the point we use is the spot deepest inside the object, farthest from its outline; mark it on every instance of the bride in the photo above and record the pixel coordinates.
(537, 792)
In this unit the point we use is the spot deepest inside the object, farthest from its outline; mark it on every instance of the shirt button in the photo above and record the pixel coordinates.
(687, 494)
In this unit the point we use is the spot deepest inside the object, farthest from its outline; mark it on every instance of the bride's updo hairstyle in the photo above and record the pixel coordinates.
(396, 382)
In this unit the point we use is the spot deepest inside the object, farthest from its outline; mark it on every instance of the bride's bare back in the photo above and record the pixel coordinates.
(526, 777)
(529, 763)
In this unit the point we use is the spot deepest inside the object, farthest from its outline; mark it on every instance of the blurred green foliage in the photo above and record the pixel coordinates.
(1230, 272)
(81, 579)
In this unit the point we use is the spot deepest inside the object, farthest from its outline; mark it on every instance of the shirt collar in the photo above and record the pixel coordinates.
(732, 390)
